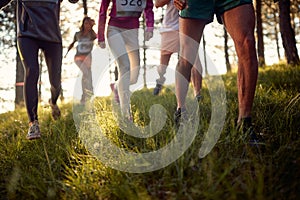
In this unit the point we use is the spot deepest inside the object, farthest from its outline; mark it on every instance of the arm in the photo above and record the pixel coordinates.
(71, 45)
(161, 3)
(102, 20)
(94, 35)
(149, 16)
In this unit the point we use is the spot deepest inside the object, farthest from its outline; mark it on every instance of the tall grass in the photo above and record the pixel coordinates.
(60, 166)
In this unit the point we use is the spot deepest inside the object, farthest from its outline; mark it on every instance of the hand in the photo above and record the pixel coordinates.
(102, 44)
(180, 4)
(148, 35)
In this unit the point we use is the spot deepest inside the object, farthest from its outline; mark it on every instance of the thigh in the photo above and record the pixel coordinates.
(131, 39)
(28, 51)
(240, 22)
(116, 41)
(222, 6)
(53, 57)
(190, 37)
(132, 47)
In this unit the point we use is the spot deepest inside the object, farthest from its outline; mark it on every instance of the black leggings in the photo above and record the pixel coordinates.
(28, 50)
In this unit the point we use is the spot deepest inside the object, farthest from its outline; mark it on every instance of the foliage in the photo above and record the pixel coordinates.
(60, 167)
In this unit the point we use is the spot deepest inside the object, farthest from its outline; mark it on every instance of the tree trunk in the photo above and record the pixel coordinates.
(19, 98)
(276, 35)
(227, 62)
(260, 36)
(85, 10)
(204, 52)
(19, 95)
(287, 33)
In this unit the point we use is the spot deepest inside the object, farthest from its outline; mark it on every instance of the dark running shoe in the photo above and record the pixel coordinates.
(55, 110)
(179, 115)
(157, 89)
(198, 98)
(34, 131)
(247, 128)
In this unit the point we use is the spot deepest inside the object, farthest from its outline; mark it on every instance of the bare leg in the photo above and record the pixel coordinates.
(189, 45)
(196, 77)
(161, 69)
(240, 23)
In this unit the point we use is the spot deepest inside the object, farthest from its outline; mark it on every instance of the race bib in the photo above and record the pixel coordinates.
(85, 46)
(130, 8)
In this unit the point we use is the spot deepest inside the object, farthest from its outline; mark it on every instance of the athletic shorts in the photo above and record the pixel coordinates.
(169, 42)
(205, 9)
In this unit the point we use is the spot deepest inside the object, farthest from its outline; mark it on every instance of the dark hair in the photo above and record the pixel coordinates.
(82, 25)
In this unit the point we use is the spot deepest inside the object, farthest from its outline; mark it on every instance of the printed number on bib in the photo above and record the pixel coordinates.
(84, 46)
(130, 7)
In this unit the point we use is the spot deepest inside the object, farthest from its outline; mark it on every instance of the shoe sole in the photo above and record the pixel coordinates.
(33, 137)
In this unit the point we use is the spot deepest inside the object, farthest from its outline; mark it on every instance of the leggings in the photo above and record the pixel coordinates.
(28, 49)
(124, 45)
(84, 63)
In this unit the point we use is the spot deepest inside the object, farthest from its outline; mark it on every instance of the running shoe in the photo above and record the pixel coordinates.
(55, 110)
(247, 128)
(179, 115)
(157, 89)
(34, 131)
(198, 98)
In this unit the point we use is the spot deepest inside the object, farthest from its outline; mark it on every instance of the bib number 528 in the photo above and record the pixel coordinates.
(131, 3)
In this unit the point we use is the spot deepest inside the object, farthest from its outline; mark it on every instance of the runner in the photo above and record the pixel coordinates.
(83, 57)
(170, 44)
(122, 38)
(239, 19)
(38, 29)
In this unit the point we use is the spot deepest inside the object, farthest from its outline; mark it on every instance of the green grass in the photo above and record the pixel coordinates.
(59, 166)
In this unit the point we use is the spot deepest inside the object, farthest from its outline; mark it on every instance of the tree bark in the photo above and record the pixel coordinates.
(85, 9)
(276, 35)
(19, 98)
(260, 36)
(287, 33)
(19, 95)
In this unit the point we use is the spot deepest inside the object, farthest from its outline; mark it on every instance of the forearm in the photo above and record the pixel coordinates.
(149, 15)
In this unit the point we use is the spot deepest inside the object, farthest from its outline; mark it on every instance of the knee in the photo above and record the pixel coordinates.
(32, 74)
(246, 44)
(184, 65)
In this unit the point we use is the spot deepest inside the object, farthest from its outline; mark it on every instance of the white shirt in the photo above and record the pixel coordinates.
(171, 19)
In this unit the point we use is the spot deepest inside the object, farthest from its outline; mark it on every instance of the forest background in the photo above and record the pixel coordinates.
(277, 33)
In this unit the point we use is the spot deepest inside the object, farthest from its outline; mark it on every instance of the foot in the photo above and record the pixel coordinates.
(179, 115)
(246, 127)
(157, 89)
(33, 131)
(55, 110)
(198, 98)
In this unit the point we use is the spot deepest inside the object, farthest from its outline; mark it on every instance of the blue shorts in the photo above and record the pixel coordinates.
(205, 9)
